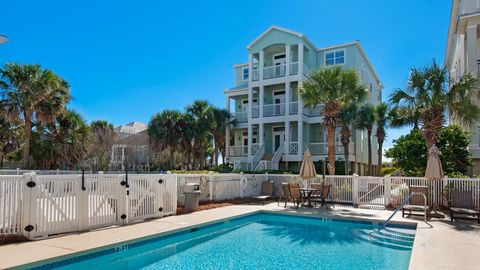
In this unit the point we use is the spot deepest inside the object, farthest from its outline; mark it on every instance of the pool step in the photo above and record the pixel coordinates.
(387, 238)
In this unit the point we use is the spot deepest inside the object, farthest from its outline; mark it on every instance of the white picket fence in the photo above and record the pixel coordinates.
(41, 205)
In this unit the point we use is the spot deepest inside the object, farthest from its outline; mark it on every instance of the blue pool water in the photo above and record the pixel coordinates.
(260, 241)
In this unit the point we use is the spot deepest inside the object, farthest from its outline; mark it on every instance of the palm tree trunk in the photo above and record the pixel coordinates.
(171, 157)
(26, 147)
(345, 143)
(331, 149)
(369, 133)
(380, 155)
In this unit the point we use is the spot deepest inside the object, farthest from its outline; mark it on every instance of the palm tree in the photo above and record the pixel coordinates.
(428, 91)
(203, 119)
(221, 117)
(164, 131)
(10, 132)
(103, 137)
(366, 120)
(36, 93)
(187, 129)
(347, 117)
(381, 121)
(334, 89)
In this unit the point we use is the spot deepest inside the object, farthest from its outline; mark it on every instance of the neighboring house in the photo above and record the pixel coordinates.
(270, 128)
(131, 146)
(463, 56)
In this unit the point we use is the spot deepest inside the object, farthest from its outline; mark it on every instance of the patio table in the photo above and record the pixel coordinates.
(308, 193)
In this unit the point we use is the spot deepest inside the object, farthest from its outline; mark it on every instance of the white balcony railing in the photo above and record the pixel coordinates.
(274, 71)
(255, 75)
(255, 147)
(291, 148)
(306, 69)
(240, 117)
(274, 109)
(294, 68)
(238, 151)
(255, 111)
(313, 111)
(320, 148)
(293, 107)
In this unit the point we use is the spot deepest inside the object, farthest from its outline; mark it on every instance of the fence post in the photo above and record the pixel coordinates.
(388, 189)
(355, 189)
(29, 204)
(82, 199)
(210, 186)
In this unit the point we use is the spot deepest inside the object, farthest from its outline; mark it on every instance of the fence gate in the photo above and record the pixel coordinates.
(371, 190)
(145, 196)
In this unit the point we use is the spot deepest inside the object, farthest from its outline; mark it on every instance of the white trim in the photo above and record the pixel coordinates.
(239, 65)
(334, 57)
(300, 35)
(274, 133)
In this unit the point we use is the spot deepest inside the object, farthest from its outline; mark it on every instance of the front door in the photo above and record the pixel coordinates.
(278, 137)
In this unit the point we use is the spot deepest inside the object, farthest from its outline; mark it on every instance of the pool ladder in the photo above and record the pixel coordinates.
(402, 205)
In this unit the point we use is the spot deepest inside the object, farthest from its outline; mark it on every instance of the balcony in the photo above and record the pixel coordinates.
(255, 74)
(313, 111)
(274, 71)
(320, 148)
(293, 107)
(255, 111)
(294, 68)
(291, 148)
(238, 151)
(239, 117)
(274, 109)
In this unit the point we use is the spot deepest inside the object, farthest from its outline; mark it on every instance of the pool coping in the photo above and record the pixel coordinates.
(115, 247)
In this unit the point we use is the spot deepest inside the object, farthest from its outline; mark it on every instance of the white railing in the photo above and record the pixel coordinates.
(41, 205)
(313, 111)
(274, 71)
(292, 148)
(38, 172)
(320, 148)
(257, 156)
(274, 109)
(306, 69)
(237, 151)
(255, 147)
(293, 107)
(240, 117)
(255, 75)
(277, 156)
(294, 68)
(255, 111)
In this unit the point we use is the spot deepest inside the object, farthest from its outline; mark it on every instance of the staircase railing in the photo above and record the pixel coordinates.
(402, 205)
(277, 156)
(258, 156)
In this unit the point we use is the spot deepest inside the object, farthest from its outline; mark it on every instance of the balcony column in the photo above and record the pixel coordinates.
(261, 64)
(300, 60)
(250, 68)
(250, 103)
(300, 137)
(472, 49)
(287, 98)
(287, 60)
(287, 138)
(260, 134)
(261, 98)
(249, 140)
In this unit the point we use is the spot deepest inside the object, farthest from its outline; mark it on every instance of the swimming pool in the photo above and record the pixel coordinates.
(259, 241)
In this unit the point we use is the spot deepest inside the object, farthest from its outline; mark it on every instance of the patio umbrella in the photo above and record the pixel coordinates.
(434, 171)
(307, 170)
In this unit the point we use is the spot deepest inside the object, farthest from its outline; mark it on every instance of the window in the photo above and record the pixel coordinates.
(371, 88)
(335, 57)
(245, 73)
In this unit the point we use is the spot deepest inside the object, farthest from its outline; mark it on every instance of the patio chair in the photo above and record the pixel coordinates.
(317, 196)
(295, 194)
(326, 194)
(285, 194)
(418, 202)
(463, 205)
(267, 192)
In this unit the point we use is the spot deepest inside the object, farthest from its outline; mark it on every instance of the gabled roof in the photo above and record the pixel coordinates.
(272, 28)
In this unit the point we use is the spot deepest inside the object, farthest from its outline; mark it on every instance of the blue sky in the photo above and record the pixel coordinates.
(126, 60)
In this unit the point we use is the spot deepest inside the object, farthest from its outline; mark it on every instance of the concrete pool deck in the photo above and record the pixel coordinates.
(443, 245)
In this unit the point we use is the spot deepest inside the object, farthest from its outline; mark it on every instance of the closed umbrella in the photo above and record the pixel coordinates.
(434, 171)
(307, 170)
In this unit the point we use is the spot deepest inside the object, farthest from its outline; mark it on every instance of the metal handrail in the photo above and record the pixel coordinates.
(403, 204)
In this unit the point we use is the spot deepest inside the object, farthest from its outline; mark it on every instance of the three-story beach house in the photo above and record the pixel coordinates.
(463, 56)
(270, 128)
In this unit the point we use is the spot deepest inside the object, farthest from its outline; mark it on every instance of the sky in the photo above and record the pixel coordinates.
(126, 60)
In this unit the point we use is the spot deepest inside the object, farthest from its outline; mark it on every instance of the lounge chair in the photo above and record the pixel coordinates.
(463, 205)
(418, 202)
(295, 194)
(285, 194)
(267, 192)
